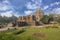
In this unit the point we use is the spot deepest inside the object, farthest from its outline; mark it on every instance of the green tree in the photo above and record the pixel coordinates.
(57, 19)
(45, 19)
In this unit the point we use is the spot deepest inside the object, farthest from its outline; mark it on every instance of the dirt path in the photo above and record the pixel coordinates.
(6, 28)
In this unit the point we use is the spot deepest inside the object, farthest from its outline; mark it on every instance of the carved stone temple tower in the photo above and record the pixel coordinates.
(30, 20)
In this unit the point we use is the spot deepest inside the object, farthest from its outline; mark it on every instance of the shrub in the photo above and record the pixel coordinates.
(51, 26)
(19, 31)
(48, 26)
(1, 26)
(45, 19)
(54, 27)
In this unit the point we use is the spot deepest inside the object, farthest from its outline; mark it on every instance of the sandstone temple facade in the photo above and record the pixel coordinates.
(31, 20)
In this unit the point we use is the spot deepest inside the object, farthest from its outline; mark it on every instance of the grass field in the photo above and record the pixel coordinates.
(31, 33)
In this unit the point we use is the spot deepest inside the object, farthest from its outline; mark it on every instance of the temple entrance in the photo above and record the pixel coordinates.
(22, 24)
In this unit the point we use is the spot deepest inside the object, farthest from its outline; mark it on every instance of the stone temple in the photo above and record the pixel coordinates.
(31, 20)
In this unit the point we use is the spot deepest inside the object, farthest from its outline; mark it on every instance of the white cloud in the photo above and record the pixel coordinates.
(8, 8)
(52, 4)
(45, 7)
(56, 10)
(5, 7)
(37, 1)
(29, 5)
(55, 3)
(28, 12)
(32, 5)
(9, 14)
(17, 15)
(5, 1)
(36, 4)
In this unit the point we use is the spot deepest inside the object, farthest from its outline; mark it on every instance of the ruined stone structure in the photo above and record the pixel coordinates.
(30, 20)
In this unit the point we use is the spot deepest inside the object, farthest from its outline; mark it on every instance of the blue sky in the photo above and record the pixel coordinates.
(27, 7)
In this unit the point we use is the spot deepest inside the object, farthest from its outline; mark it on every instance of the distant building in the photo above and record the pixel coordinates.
(31, 20)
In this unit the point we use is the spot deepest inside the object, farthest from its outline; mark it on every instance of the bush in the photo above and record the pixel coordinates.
(48, 26)
(45, 19)
(51, 26)
(19, 31)
(54, 27)
(1, 26)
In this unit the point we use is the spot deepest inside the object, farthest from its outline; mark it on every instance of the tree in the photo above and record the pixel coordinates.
(57, 19)
(45, 19)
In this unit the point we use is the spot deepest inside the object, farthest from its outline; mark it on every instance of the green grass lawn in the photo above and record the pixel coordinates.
(31, 33)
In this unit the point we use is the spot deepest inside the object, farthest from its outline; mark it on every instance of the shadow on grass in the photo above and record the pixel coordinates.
(19, 31)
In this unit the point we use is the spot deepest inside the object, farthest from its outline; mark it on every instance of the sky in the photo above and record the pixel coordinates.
(27, 7)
